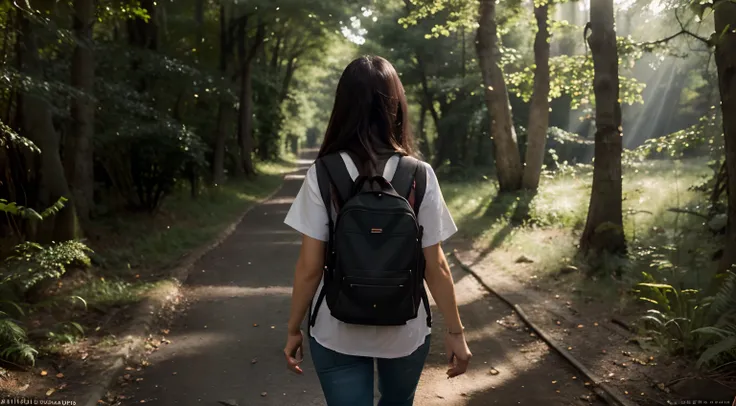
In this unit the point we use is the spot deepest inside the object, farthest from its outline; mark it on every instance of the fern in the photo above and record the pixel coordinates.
(724, 301)
(30, 214)
(13, 342)
(726, 346)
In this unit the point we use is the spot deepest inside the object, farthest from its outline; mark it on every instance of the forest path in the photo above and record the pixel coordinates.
(226, 345)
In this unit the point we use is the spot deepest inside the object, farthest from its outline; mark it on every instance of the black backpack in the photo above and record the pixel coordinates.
(374, 263)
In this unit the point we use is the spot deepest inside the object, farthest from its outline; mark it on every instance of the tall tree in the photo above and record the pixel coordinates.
(539, 109)
(225, 110)
(604, 227)
(245, 117)
(78, 146)
(724, 14)
(508, 159)
(38, 126)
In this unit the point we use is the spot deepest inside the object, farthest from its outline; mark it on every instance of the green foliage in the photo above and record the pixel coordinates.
(572, 75)
(704, 138)
(13, 342)
(686, 321)
(67, 332)
(9, 138)
(32, 263)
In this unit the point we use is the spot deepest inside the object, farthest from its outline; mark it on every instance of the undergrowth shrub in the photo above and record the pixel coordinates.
(691, 322)
(30, 265)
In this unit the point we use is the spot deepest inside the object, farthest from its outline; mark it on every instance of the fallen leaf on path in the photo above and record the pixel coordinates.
(59, 375)
(50, 392)
(62, 386)
(580, 326)
(229, 402)
(493, 371)
(165, 331)
(44, 373)
(595, 324)
(254, 360)
(173, 373)
(574, 378)
(558, 391)
(255, 324)
(554, 382)
(264, 394)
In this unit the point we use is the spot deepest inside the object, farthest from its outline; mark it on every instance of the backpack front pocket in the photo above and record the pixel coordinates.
(383, 298)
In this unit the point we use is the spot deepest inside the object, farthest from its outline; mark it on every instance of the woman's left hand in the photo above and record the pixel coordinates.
(294, 352)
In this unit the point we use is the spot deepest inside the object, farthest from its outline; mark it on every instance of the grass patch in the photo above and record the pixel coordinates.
(133, 241)
(546, 225)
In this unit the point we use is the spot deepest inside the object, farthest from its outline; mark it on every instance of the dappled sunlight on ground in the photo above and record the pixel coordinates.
(230, 292)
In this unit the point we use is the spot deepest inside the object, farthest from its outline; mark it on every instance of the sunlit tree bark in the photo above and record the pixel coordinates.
(604, 226)
(508, 159)
(539, 109)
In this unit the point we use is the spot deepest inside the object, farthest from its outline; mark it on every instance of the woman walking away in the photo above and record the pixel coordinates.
(373, 219)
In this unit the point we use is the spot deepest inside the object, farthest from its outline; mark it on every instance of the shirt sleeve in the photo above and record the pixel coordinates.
(307, 214)
(434, 216)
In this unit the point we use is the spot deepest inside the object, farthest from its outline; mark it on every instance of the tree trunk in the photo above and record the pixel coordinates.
(725, 25)
(79, 155)
(422, 131)
(508, 159)
(539, 109)
(245, 121)
(288, 76)
(199, 22)
(39, 128)
(604, 227)
(224, 116)
(143, 33)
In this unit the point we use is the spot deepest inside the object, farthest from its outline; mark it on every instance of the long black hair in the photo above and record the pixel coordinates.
(370, 116)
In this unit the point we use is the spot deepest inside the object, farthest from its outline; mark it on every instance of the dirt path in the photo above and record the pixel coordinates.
(226, 344)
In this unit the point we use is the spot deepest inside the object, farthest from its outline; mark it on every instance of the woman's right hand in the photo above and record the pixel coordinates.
(458, 354)
(294, 351)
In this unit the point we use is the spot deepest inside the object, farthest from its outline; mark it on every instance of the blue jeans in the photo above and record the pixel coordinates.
(347, 380)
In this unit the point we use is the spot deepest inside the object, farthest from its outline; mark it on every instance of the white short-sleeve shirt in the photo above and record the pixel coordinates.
(309, 217)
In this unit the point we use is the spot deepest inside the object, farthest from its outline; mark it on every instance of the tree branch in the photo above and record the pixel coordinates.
(683, 31)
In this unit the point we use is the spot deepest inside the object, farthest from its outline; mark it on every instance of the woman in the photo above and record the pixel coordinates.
(369, 129)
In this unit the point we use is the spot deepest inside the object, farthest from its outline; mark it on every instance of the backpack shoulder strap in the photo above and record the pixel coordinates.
(332, 173)
(411, 174)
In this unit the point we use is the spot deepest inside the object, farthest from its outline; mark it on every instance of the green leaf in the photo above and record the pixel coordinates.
(657, 286)
(711, 354)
